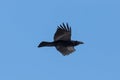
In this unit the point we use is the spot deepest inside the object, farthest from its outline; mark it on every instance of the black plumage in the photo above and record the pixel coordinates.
(62, 40)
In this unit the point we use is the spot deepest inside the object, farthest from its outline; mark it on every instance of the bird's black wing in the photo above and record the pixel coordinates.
(63, 32)
(65, 50)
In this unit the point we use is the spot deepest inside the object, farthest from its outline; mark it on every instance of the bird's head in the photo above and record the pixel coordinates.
(77, 43)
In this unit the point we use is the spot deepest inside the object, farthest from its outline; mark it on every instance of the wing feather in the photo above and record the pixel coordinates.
(63, 32)
(65, 50)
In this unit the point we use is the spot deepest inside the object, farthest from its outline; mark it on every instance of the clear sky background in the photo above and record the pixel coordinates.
(25, 23)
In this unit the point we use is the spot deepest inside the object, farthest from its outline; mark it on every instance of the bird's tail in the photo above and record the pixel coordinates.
(43, 44)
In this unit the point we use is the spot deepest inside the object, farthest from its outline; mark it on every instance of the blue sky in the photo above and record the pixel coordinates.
(25, 23)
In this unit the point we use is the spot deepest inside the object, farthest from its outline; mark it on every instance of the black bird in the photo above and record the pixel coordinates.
(62, 40)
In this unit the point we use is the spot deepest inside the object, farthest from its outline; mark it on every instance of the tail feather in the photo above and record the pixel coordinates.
(43, 44)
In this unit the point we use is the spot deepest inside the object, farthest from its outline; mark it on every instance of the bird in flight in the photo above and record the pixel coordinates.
(62, 40)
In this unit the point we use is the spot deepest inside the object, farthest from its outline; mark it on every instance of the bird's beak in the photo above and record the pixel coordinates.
(81, 42)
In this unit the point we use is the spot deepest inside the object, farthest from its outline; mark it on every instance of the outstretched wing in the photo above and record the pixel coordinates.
(63, 32)
(65, 50)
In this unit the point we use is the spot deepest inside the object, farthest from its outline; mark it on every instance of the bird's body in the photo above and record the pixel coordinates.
(58, 43)
(62, 40)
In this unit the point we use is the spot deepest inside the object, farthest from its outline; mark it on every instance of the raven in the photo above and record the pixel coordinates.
(62, 40)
